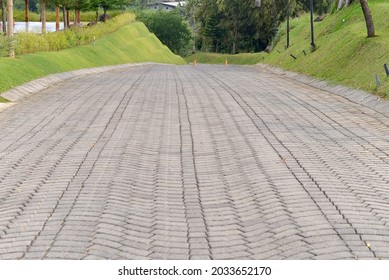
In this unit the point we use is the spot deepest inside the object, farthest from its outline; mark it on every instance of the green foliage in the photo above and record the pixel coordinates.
(108, 4)
(31, 42)
(138, 4)
(129, 44)
(344, 54)
(19, 16)
(170, 28)
(216, 58)
(242, 27)
(4, 45)
(213, 32)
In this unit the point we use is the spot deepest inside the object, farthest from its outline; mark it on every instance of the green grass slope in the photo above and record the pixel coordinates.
(344, 54)
(215, 58)
(130, 44)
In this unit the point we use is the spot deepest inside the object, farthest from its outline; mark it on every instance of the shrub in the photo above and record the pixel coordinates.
(28, 42)
(170, 28)
(4, 45)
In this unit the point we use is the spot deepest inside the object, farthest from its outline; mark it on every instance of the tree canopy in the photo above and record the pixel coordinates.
(232, 26)
(170, 28)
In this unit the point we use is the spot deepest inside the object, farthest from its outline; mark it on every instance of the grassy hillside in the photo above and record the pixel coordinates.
(131, 43)
(344, 54)
(214, 58)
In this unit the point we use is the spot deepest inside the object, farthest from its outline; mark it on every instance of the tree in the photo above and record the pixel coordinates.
(240, 24)
(10, 27)
(366, 13)
(66, 5)
(94, 6)
(3, 19)
(58, 4)
(105, 5)
(26, 9)
(212, 32)
(138, 4)
(170, 28)
(232, 9)
(78, 6)
(368, 18)
(43, 15)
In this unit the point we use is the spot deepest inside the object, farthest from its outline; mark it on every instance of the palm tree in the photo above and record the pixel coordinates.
(43, 15)
(368, 18)
(366, 12)
(56, 16)
(26, 15)
(10, 27)
(3, 20)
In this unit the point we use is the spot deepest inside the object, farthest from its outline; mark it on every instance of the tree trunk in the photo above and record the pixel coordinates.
(56, 17)
(26, 15)
(105, 14)
(97, 16)
(368, 18)
(65, 18)
(10, 29)
(313, 46)
(43, 15)
(3, 19)
(340, 4)
(78, 17)
(235, 37)
(288, 25)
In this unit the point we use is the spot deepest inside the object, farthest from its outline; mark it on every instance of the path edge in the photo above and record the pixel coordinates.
(22, 91)
(357, 96)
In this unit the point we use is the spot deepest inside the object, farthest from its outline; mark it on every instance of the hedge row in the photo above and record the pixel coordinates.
(28, 42)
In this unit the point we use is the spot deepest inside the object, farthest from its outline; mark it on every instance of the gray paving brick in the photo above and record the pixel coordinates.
(167, 162)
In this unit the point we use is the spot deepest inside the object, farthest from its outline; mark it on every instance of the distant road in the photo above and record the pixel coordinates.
(206, 162)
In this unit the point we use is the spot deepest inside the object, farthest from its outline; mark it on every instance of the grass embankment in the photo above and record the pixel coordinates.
(344, 54)
(215, 58)
(130, 44)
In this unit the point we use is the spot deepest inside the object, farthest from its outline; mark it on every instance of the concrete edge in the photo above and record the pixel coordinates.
(354, 95)
(19, 92)
(4, 106)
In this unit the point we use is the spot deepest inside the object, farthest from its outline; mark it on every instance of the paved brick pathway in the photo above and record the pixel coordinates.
(207, 162)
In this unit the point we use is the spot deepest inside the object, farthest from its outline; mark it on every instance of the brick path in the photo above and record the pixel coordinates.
(208, 162)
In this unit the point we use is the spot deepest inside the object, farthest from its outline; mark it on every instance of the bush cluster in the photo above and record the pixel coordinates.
(28, 42)
(4, 45)
(170, 28)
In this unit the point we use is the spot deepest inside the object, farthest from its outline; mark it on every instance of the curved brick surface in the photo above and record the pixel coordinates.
(208, 162)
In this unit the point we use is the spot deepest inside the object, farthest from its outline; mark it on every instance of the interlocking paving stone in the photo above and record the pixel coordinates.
(206, 162)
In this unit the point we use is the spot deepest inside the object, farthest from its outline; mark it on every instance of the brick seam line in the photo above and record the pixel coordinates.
(19, 92)
(357, 96)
